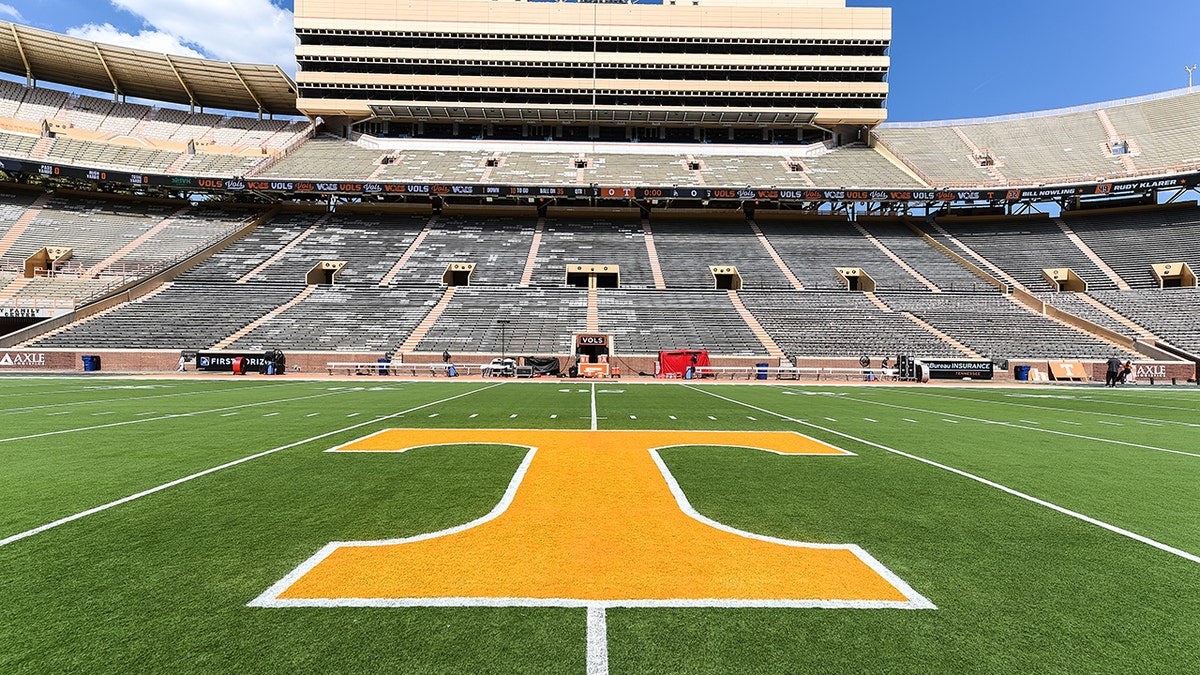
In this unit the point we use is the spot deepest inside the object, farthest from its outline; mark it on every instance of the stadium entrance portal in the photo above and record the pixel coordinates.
(594, 276)
(458, 274)
(592, 354)
(325, 273)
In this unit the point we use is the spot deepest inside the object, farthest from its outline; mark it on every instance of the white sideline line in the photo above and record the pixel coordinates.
(1010, 425)
(1016, 493)
(158, 419)
(593, 406)
(597, 641)
(312, 414)
(230, 414)
(868, 419)
(271, 414)
(82, 514)
(136, 398)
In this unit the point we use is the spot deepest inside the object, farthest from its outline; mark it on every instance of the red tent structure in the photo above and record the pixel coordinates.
(676, 363)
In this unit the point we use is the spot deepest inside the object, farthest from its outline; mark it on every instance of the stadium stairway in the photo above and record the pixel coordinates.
(79, 322)
(18, 228)
(408, 254)
(987, 264)
(13, 288)
(1087, 250)
(593, 311)
(41, 149)
(941, 336)
(896, 259)
(531, 261)
(283, 251)
(976, 151)
(770, 249)
(1095, 336)
(427, 323)
(245, 330)
(1114, 137)
(1119, 318)
(149, 234)
(765, 338)
(655, 267)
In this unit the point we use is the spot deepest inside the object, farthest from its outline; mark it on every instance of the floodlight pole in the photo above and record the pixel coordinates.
(1191, 69)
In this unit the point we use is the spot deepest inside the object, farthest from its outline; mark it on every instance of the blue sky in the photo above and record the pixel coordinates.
(950, 58)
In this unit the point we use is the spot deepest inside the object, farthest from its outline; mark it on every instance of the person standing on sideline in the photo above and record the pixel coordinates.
(446, 355)
(1114, 371)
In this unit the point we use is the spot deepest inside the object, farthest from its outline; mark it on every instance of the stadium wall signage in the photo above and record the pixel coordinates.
(957, 370)
(22, 360)
(222, 362)
(594, 192)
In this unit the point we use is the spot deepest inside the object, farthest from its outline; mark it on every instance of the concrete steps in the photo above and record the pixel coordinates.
(92, 317)
(655, 267)
(248, 328)
(18, 228)
(131, 246)
(408, 253)
(942, 336)
(770, 249)
(759, 332)
(423, 328)
(283, 251)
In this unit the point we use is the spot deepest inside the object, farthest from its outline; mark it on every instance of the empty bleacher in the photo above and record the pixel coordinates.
(646, 322)
(326, 157)
(597, 240)
(93, 228)
(1167, 131)
(1171, 314)
(940, 269)
(498, 245)
(369, 244)
(1023, 247)
(345, 318)
(814, 247)
(540, 321)
(996, 327)
(688, 246)
(1132, 240)
(840, 323)
(188, 315)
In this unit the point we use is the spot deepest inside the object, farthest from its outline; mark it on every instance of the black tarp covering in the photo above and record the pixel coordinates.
(542, 366)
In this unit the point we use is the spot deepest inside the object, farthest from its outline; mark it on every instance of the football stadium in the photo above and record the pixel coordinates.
(906, 396)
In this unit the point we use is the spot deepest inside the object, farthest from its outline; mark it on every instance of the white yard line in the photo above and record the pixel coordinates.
(593, 407)
(1016, 493)
(163, 417)
(597, 641)
(1011, 425)
(124, 500)
(1070, 411)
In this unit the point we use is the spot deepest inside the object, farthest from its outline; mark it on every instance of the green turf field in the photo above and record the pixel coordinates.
(1055, 529)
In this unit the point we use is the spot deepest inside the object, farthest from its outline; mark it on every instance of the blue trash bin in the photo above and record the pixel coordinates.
(762, 370)
(1021, 373)
(91, 363)
(382, 366)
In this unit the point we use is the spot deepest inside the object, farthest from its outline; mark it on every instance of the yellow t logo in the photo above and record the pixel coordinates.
(595, 519)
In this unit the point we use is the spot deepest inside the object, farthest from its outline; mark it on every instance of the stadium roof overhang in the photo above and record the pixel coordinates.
(600, 116)
(221, 85)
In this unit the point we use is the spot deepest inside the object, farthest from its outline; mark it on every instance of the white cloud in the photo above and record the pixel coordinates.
(152, 41)
(254, 31)
(11, 12)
